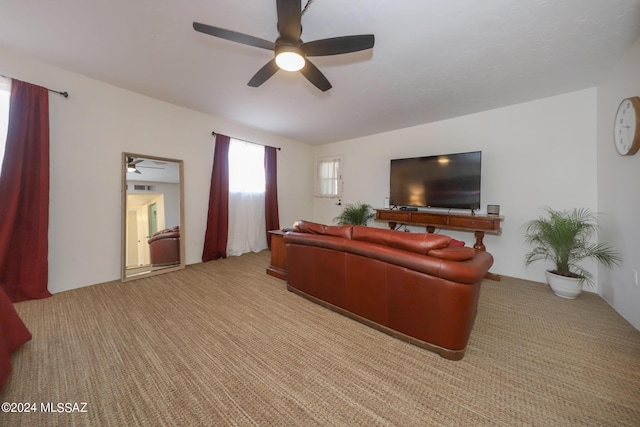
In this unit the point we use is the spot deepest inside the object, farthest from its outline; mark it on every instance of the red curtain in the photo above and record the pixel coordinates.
(215, 238)
(24, 195)
(13, 333)
(271, 191)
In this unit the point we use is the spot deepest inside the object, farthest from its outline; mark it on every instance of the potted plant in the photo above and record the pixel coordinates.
(563, 237)
(355, 214)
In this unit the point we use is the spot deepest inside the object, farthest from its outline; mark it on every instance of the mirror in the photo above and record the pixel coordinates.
(152, 216)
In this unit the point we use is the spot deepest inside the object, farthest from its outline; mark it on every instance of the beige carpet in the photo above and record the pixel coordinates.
(222, 343)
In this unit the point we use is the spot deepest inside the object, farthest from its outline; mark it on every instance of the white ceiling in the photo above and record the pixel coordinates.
(432, 60)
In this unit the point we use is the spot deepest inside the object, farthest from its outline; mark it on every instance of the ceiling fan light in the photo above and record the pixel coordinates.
(131, 168)
(289, 60)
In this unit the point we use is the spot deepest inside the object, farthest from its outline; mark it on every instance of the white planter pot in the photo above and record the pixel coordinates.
(565, 287)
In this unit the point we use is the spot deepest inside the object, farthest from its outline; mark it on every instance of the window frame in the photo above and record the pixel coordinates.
(339, 185)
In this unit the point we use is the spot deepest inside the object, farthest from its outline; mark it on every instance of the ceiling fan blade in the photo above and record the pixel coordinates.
(289, 19)
(264, 73)
(234, 36)
(338, 45)
(133, 162)
(315, 76)
(137, 171)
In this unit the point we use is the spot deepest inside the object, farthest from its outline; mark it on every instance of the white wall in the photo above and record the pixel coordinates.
(536, 154)
(540, 153)
(91, 129)
(619, 189)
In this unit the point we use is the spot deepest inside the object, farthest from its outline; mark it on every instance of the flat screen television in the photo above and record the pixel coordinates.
(444, 181)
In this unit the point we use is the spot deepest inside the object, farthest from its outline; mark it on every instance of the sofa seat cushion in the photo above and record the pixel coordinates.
(420, 243)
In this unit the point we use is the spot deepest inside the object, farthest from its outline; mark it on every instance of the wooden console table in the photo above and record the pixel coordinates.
(478, 224)
(278, 267)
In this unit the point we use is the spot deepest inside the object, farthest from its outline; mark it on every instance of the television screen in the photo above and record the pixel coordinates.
(445, 181)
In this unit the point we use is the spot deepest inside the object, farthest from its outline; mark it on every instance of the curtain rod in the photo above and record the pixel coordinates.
(250, 142)
(65, 94)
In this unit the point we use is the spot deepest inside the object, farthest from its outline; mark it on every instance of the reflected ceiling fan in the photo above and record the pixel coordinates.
(133, 165)
(290, 51)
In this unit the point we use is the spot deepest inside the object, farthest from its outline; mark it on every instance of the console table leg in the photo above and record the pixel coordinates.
(492, 276)
(479, 245)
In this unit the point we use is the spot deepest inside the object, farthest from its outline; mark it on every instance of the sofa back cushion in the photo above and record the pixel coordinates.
(343, 231)
(413, 242)
(453, 253)
(456, 243)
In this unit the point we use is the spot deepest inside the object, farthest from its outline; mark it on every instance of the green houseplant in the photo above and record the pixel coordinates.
(563, 237)
(355, 214)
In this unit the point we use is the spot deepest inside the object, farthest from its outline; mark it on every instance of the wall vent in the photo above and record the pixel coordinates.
(139, 187)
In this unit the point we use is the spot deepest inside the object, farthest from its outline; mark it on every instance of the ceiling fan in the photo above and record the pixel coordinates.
(290, 51)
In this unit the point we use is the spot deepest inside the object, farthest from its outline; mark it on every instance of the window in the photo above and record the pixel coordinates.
(329, 177)
(247, 222)
(5, 94)
(246, 167)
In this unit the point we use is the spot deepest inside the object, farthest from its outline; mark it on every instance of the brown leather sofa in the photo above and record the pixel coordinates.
(414, 286)
(164, 247)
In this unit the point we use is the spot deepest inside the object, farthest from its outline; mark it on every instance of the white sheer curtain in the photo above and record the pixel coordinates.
(5, 94)
(247, 229)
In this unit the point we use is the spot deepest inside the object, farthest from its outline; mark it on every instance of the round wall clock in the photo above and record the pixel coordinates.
(626, 129)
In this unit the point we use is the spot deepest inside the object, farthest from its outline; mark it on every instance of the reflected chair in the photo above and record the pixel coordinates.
(164, 247)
